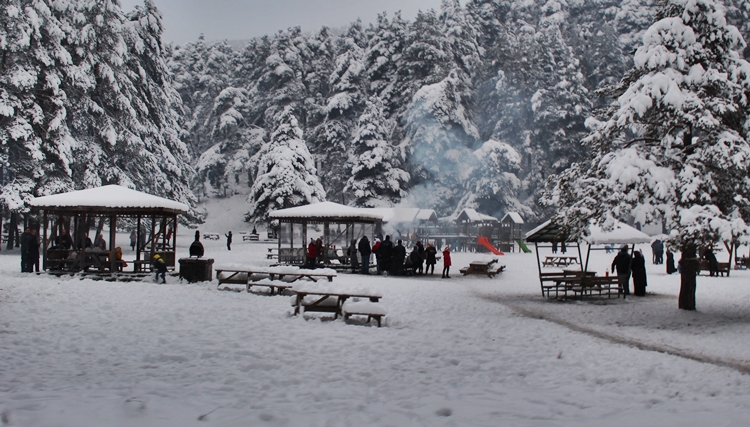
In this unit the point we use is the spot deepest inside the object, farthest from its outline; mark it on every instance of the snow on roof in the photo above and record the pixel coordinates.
(514, 216)
(324, 210)
(427, 215)
(108, 196)
(621, 234)
(474, 216)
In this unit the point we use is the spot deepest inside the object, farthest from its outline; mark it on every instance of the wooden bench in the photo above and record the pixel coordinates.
(363, 308)
(483, 267)
(251, 238)
(722, 267)
(563, 283)
(211, 236)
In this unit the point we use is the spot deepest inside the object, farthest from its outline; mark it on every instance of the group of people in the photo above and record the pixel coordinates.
(624, 265)
(392, 259)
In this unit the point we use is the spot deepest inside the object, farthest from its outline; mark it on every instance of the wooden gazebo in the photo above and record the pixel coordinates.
(337, 224)
(153, 218)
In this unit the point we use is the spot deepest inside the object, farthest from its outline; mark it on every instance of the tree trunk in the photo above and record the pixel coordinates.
(12, 230)
(689, 266)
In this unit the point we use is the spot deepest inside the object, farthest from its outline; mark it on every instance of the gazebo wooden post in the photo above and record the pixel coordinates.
(539, 265)
(327, 240)
(44, 243)
(174, 235)
(138, 240)
(151, 238)
(112, 241)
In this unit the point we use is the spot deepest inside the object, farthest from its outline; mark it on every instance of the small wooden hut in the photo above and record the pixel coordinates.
(76, 213)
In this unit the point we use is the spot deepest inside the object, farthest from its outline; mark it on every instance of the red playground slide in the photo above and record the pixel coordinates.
(481, 240)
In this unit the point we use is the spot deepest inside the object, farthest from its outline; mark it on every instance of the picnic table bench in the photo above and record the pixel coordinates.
(559, 261)
(579, 283)
(333, 301)
(251, 237)
(721, 267)
(252, 277)
(483, 267)
(211, 236)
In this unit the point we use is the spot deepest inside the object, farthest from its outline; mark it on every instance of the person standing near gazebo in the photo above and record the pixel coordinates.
(365, 251)
(229, 241)
(621, 264)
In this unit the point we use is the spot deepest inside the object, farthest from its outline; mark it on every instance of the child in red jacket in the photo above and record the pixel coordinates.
(446, 262)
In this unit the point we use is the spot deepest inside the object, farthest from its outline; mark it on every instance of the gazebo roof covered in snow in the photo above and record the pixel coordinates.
(621, 234)
(326, 211)
(109, 198)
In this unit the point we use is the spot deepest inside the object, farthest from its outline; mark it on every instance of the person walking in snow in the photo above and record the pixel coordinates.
(25, 242)
(33, 254)
(420, 265)
(431, 258)
(621, 264)
(160, 267)
(446, 262)
(670, 263)
(229, 241)
(365, 251)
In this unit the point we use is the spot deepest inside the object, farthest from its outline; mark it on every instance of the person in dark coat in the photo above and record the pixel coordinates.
(420, 251)
(353, 257)
(446, 262)
(25, 242)
(563, 248)
(621, 264)
(638, 268)
(430, 258)
(386, 253)
(670, 263)
(713, 264)
(657, 247)
(64, 240)
(84, 242)
(554, 247)
(229, 241)
(196, 248)
(399, 255)
(133, 240)
(365, 251)
(33, 254)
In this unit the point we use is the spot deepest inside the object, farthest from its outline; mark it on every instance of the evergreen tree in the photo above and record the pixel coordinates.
(674, 145)
(286, 171)
(376, 179)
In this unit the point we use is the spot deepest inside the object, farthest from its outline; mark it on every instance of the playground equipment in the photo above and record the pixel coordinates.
(522, 245)
(481, 240)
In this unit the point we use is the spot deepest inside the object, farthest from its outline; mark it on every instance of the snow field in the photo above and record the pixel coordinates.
(460, 352)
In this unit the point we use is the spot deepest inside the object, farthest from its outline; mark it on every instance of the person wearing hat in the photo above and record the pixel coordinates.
(160, 267)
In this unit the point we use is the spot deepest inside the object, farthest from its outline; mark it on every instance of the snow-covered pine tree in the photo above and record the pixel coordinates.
(347, 94)
(286, 171)
(493, 185)
(674, 145)
(35, 144)
(376, 178)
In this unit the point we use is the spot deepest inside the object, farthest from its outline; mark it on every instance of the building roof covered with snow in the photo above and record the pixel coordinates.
(471, 215)
(108, 198)
(513, 216)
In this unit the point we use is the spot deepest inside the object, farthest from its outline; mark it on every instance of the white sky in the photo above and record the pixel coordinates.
(185, 20)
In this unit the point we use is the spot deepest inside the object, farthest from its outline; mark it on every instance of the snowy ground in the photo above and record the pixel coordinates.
(461, 352)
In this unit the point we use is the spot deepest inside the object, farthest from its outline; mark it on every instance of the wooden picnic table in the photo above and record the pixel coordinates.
(251, 277)
(574, 282)
(483, 267)
(211, 236)
(559, 261)
(327, 301)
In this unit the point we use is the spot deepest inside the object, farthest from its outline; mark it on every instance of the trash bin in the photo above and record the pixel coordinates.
(196, 269)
